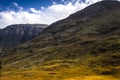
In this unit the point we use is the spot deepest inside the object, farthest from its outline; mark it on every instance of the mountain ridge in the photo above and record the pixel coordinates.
(19, 33)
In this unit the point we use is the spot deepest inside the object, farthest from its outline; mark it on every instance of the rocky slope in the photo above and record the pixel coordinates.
(84, 46)
(16, 34)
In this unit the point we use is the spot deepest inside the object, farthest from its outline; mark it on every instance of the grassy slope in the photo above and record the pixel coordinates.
(89, 49)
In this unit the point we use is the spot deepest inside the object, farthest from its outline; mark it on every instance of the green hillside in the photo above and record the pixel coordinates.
(84, 46)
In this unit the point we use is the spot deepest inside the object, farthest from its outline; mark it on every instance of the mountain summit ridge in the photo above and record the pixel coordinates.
(98, 8)
(95, 10)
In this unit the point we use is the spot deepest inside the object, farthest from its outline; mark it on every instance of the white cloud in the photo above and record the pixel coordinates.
(54, 3)
(62, 0)
(44, 15)
(17, 6)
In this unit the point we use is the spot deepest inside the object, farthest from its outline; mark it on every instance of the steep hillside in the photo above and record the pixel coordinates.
(16, 34)
(84, 46)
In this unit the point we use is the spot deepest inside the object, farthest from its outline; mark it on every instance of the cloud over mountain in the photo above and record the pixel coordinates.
(45, 15)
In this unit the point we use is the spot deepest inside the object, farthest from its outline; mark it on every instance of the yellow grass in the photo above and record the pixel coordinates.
(93, 77)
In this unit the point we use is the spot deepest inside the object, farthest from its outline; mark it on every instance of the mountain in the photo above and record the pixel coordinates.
(84, 46)
(14, 35)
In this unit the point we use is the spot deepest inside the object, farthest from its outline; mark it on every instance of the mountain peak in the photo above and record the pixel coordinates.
(97, 9)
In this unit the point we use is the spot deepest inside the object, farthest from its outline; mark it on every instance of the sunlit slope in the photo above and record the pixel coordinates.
(84, 46)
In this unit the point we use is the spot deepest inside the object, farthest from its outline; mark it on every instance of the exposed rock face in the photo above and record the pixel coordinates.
(16, 34)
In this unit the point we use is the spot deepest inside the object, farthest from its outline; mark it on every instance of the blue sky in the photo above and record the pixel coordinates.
(38, 11)
(4, 4)
(26, 4)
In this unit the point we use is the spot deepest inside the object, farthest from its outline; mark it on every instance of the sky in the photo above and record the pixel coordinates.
(38, 11)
